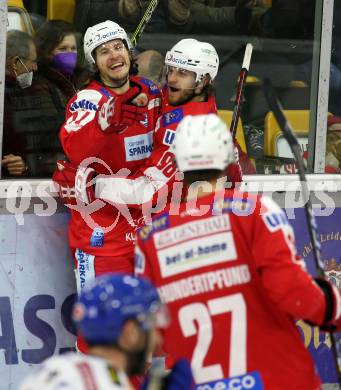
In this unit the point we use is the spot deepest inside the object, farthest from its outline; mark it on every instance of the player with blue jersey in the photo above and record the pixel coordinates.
(117, 315)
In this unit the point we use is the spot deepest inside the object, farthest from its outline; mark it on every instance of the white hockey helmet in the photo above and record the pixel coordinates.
(202, 142)
(196, 56)
(100, 33)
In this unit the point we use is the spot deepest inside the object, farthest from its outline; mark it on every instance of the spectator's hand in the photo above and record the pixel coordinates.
(15, 165)
(179, 11)
(261, 3)
(129, 9)
(247, 3)
(122, 111)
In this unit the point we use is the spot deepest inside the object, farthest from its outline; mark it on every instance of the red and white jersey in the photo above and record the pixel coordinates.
(76, 372)
(154, 182)
(228, 269)
(156, 178)
(82, 138)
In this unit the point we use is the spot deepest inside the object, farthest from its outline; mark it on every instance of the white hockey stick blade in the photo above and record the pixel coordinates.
(247, 56)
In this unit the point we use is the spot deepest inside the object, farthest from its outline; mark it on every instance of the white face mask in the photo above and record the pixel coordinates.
(25, 79)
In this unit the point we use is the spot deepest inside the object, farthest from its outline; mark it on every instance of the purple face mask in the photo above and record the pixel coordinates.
(65, 62)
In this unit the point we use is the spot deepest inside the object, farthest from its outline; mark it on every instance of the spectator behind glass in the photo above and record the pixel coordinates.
(57, 57)
(55, 83)
(127, 13)
(21, 62)
(200, 16)
(333, 147)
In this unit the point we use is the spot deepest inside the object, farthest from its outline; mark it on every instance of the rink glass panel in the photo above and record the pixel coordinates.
(296, 59)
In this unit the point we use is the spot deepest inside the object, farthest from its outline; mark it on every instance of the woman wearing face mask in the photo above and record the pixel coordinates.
(57, 58)
(54, 83)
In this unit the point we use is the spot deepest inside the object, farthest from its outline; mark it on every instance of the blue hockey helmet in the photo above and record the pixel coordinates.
(103, 308)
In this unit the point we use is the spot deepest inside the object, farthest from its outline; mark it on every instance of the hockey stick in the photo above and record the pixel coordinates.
(290, 137)
(143, 22)
(240, 89)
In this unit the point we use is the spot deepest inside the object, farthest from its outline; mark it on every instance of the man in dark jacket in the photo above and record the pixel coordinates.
(30, 145)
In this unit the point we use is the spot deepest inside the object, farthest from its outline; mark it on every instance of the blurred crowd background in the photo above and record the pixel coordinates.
(47, 35)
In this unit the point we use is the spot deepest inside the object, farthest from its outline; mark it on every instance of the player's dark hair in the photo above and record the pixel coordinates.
(208, 90)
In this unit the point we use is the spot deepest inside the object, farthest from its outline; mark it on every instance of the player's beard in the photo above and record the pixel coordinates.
(118, 82)
(185, 96)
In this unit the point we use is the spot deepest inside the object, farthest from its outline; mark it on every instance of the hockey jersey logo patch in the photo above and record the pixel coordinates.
(85, 271)
(192, 230)
(153, 89)
(140, 261)
(158, 224)
(250, 381)
(139, 146)
(83, 104)
(169, 137)
(196, 254)
(97, 238)
(237, 206)
(172, 117)
(275, 221)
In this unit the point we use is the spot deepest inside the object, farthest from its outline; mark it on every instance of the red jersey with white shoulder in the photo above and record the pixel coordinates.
(101, 228)
(154, 181)
(228, 269)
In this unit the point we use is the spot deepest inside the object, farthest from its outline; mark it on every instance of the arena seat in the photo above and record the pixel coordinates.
(274, 142)
(226, 116)
(17, 17)
(15, 3)
(61, 9)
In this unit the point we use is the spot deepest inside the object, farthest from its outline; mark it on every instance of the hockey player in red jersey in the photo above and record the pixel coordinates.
(191, 67)
(228, 269)
(109, 127)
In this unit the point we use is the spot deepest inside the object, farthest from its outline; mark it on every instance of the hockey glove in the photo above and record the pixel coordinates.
(180, 377)
(74, 182)
(233, 170)
(84, 184)
(332, 317)
(64, 179)
(119, 111)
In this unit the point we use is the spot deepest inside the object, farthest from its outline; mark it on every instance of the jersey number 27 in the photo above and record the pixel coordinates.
(198, 318)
